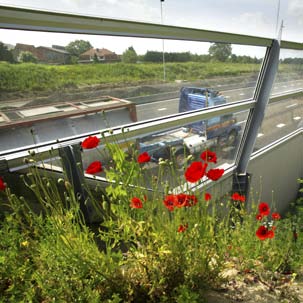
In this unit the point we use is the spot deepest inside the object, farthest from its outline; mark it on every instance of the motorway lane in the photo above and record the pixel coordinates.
(168, 107)
(280, 118)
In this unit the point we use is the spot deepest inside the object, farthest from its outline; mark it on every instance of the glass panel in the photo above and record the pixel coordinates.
(290, 72)
(181, 146)
(281, 118)
(56, 85)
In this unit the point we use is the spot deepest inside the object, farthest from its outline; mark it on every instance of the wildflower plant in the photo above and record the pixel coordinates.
(155, 243)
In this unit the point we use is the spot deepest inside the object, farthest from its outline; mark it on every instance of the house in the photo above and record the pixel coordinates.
(19, 47)
(52, 55)
(44, 54)
(99, 54)
(58, 47)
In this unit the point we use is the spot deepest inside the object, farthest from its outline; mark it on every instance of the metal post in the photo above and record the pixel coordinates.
(163, 54)
(71, 159)
(278, 14)
(254, 121)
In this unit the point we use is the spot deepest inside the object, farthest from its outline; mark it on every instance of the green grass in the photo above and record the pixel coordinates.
(39, 77)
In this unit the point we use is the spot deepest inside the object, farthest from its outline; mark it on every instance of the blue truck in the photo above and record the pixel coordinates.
(220, 131)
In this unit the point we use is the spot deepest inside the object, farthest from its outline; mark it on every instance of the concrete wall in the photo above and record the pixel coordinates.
(278, 170)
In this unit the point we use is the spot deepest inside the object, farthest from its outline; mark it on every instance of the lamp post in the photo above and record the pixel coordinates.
(163, 55)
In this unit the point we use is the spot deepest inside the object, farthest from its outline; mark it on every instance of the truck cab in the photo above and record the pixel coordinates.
(224, 128)
(193, 138)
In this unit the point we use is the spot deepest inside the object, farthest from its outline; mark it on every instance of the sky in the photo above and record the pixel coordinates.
(250, 17)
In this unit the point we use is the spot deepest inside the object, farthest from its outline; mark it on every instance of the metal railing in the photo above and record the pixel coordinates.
(39, 20)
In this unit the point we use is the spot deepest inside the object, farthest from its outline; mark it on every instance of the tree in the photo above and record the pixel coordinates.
(177, 57)
(5, 54)
(27, 57)
(220, 51)
(130, 56)
(77, 47)
(153, 56)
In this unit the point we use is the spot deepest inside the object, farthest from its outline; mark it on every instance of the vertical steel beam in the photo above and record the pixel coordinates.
(254, 121)
(72, 165)
(262, 94)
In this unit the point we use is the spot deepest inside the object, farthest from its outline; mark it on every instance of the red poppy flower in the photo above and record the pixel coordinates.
(275, 216)
(189, 200)
(2, 184)
(262, 232)
(207, 196)
(181, 200)
(185, 200)
(215, 173)
(259, 217)
(270, 234)
(195, 171)
(170, 201)
(136, 203)
(209, 156)
(238, 197)
(144, 157)
(182, 228)
(264, 209)
(90, 142)
(94, 167)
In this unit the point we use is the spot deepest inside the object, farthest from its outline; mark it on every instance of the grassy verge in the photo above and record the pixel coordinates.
(39, 77)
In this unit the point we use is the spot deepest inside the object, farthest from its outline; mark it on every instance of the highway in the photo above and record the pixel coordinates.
(170, 106)
(280, 118)
(81, 116)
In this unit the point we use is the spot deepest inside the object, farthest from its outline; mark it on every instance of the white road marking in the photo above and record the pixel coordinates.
(291, 105)
(260, 135)
(163, 108)
(280, 125)
(297, 118)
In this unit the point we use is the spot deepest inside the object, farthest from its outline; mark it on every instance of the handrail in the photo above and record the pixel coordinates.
(134, 129)
(50, 149)
(290, 94)
(42, 20)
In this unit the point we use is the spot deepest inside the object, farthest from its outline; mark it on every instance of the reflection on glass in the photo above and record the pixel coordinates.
(281, 118)
(46, 68)
(181, 146)
(220, 133)
(290, 72)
